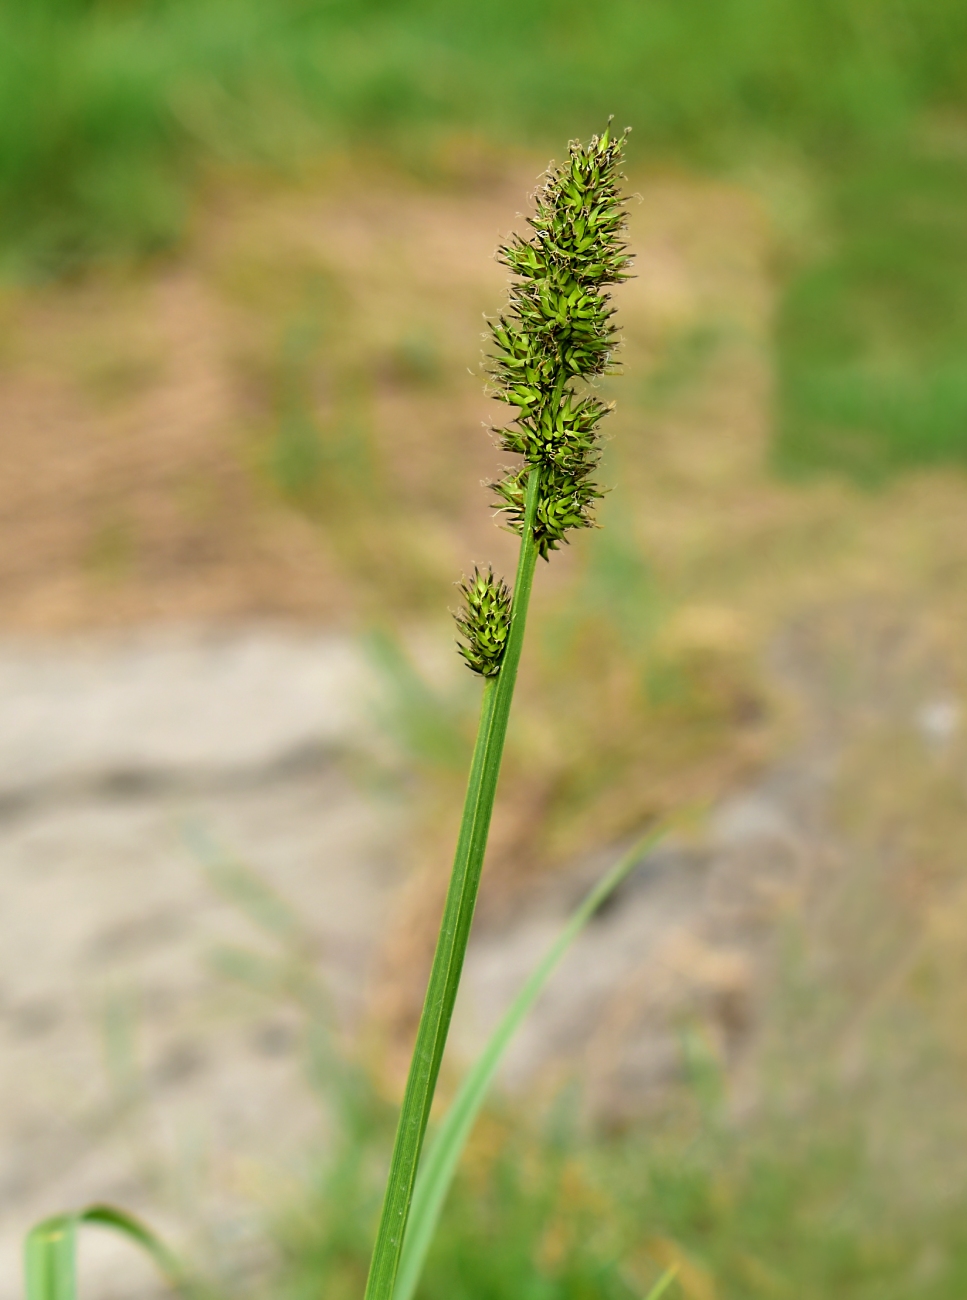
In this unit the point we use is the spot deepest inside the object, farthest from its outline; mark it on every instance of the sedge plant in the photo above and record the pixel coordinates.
(554, 338)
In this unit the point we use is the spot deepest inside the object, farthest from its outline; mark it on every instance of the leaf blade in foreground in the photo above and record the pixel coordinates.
(50, 1252)
(443, 1154)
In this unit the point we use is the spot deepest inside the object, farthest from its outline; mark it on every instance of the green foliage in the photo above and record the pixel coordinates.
(107, 109)
(797, 1198)
(51, 1248)
(558, 329)
(443, 1155)
(323, 1241)
(793, 1207)
(484, 622)
(326, 467)
(774, 1207)
(872, 337)
(490, 1240)
(111, 114)
(516, 1229)
(328, 1243)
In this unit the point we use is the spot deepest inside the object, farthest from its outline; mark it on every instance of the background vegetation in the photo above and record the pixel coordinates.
(849, 115)
(820, 1195)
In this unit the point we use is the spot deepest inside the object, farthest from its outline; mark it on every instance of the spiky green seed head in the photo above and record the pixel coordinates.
(558, 331)
(483, 621)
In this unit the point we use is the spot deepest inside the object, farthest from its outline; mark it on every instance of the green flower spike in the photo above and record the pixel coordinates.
(557, 331)
(484, 621)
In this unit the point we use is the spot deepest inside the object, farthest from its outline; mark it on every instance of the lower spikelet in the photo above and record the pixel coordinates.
(483, 622)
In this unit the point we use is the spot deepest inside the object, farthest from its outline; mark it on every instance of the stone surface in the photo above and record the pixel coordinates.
(169, 703)
(131, 772)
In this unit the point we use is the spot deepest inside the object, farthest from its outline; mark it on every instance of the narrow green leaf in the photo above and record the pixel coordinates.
(108, 1216)
(50, 1252)
(443, 1154)
(49, 1259)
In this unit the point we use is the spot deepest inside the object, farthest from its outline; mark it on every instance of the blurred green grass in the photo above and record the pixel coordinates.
(110, 105)
(814, 1185)
(785, 1206)
(113, 113)
(809, 1194)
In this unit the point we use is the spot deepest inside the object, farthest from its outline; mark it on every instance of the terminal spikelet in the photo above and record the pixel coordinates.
(557, 332)
(483, 622)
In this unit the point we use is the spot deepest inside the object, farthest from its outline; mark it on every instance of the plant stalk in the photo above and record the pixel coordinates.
(431, 1036)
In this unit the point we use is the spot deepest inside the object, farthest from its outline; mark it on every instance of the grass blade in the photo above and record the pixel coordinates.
(108, 1216)
(663, 1283)
(50, 1252)
(443, 1154)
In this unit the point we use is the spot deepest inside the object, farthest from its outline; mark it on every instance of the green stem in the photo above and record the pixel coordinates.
(431, 1036)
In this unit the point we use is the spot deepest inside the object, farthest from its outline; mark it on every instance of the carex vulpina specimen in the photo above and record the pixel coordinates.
(554, 338)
